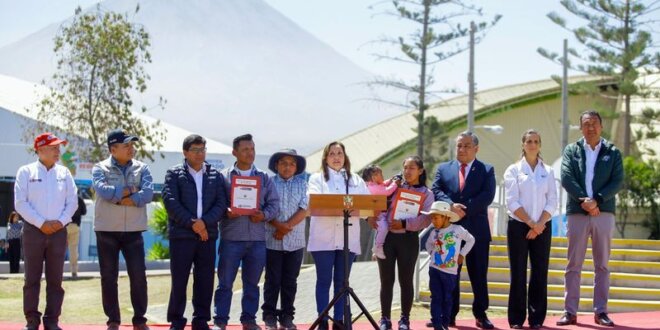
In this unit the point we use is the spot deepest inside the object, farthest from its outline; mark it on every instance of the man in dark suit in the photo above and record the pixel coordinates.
(469, 186)
(195, 200)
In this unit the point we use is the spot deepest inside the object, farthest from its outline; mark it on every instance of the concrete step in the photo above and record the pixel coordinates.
(587, 291)
(650, 281)
(617, 243)
(621, 266)
(616, 254)
(557, 303)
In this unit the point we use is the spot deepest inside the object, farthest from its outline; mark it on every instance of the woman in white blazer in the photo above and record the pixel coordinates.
(531, 199)
(326, 233)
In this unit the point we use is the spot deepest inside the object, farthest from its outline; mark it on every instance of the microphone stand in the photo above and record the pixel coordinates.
(346, 289)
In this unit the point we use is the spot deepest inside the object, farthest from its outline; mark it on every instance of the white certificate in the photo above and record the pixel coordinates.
(245, 194)
(406, 209)
(407, 204)
(245, 197)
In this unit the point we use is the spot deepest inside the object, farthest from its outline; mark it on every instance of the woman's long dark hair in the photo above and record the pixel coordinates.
(420, 163)
(324, 160)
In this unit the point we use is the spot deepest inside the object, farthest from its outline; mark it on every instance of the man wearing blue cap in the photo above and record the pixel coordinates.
(123, 188)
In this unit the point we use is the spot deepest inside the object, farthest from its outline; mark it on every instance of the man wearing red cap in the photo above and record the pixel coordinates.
(45, 195)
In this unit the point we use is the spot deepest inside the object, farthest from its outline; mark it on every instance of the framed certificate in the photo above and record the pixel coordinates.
(245, 194)
(407, 204)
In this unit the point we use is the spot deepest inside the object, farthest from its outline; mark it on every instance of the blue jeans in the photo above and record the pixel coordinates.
(131, 245)
(442, 286)
(325, 262)
(251, 256)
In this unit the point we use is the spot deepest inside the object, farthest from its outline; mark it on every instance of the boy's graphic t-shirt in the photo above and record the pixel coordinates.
(444, 247)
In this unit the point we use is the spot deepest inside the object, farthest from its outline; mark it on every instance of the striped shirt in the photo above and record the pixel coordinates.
(293, 197)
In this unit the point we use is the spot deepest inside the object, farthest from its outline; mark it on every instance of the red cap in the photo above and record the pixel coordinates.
(47, 139)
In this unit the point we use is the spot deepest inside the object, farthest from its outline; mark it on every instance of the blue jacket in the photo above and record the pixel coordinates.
(477, 194)
(180, 199)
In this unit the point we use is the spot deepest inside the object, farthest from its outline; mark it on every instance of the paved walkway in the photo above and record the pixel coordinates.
(364, 281)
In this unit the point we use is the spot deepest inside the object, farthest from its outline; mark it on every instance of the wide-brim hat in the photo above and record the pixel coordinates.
(301, 162)
(443, 208)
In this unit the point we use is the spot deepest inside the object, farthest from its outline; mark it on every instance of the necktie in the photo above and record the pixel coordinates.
(461, 177)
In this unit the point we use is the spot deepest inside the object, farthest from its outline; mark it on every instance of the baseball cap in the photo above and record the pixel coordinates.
(119, 136)
(47, 139)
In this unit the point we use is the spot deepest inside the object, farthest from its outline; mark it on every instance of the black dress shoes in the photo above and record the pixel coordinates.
(567, 319)
(536, 326)
(602, 319)
(515, 326)
(452, 323)
(484, 323)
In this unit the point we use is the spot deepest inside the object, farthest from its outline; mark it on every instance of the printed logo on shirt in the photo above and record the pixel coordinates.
(444, 250)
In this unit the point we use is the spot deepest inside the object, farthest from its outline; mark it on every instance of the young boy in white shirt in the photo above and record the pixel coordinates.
(444, 247)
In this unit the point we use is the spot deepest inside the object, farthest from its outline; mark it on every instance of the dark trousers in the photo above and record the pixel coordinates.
(131, 245)
(282, 269)
(477, 264)
(40, 249)
(184, 253)
(442, 289)
(401, 251)
(14, 255)
(538, 250)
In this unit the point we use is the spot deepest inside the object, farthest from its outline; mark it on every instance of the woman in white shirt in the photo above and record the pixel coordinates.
(326, 233)
(531, 199)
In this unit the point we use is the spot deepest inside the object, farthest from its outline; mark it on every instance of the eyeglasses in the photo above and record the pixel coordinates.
(197, 150)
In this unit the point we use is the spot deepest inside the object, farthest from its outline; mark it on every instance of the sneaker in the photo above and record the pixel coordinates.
(286, 323)
(385, 324)
(252, 326)
(219, 326)
(404, 323)
(270, 322)
(378, 251)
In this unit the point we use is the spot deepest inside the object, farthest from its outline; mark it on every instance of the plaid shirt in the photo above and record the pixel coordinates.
(293, 197)
(15, 230)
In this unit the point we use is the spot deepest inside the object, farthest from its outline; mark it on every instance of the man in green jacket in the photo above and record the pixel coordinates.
(591, 173)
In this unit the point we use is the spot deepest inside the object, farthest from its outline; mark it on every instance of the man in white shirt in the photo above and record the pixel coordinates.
(592, 174)
(45, 195)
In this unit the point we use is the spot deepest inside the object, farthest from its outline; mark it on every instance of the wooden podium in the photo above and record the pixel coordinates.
(335, 204)
(346, 206)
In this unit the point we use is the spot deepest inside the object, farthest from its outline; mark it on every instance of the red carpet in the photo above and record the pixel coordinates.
(631, 321)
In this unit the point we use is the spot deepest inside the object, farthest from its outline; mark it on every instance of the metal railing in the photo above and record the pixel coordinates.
(500, 218)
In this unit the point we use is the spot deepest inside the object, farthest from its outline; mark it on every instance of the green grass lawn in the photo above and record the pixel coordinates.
(82, 300)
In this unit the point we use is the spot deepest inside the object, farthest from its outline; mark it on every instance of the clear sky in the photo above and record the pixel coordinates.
(506, 56)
